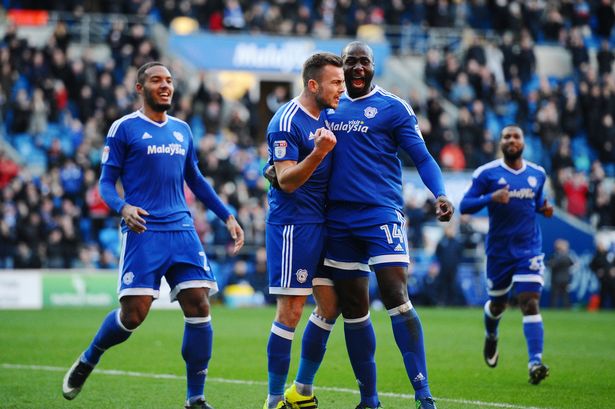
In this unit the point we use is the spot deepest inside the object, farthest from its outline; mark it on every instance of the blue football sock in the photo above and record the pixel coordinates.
(408, 333)
(110, 333)
(491, 321)
(534, 337)
(196, 351)
(278, 359)
(361, 346)
(313, 347)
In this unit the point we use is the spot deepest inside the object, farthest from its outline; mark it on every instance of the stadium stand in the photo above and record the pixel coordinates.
(66, 74)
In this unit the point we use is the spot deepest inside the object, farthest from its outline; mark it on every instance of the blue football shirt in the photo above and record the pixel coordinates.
(369, 131)
(290, 136)
(152, 158)
(514, 231)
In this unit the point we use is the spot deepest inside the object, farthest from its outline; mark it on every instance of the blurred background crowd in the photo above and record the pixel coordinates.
(55, 110)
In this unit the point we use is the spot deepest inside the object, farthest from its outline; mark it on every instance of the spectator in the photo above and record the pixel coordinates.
(560, 264)
(449, 254)
(603, 266)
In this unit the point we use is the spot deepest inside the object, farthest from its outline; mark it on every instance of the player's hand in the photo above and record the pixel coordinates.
(272, 176)
(546, 209)
(236, 233)
(444, 209)
(324, 140)
(132, 217)
(501, 195)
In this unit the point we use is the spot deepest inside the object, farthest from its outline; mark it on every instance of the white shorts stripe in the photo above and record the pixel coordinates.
(138, 291)
(346, 265)
(389, 258)
(290, 291)
(282, 332)
(528, 278)
(532, 318)
(496, 293)
(356, 320)
(322, 281)
(212, 285)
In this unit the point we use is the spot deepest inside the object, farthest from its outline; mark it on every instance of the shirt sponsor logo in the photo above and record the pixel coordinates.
(170, 149)
(526, 193)
(350, 126)
(105, 154)
(279, 149)
(370, 112)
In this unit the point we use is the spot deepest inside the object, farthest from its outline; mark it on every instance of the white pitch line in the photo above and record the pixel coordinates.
(261, 383)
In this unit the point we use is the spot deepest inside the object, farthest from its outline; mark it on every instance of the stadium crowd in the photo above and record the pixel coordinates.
(55, 112)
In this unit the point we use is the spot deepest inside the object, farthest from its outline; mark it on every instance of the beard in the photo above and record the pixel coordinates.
(512, 156)
(156, 106)
(320, 101)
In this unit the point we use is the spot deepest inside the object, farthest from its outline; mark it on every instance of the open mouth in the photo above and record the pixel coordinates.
(358, 82)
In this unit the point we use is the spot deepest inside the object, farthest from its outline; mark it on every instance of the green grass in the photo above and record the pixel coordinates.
(37, 346)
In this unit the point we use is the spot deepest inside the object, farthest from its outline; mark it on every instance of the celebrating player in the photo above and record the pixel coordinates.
(152, 153)
(299, 147)
(512, 190)
(365, 221)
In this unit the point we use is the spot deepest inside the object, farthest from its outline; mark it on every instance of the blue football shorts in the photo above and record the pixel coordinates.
(294, 258)
(351, 251)
(522, 275)
(177, 255)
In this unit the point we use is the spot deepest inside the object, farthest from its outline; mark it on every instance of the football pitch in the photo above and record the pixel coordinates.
(36, 348)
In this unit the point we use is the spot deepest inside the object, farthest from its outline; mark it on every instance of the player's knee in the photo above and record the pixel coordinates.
(394, 296)
(529, 306)
(497, 308)
(132, 319)
(289, 313)
(328, 311)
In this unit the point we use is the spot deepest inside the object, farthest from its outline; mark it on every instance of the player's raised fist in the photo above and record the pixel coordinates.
(501, 195)
(324, 140)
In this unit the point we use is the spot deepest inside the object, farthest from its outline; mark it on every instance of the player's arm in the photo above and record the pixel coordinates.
(476, 198)
(112, 160)
(412, 142)
(206, 194)
(292, 174)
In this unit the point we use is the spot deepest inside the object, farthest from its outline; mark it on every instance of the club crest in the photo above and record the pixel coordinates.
(370, 112)
(532, 181)
(178, 136)
(302, 275)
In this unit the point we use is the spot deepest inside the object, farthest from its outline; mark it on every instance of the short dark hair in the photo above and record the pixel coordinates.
(312, 67)
(511, 126)
(141, 76)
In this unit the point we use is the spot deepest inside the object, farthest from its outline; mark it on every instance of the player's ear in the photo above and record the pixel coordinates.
(138, 87)
(312, 86)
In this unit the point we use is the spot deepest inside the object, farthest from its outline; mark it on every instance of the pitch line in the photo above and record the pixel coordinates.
(114, 372)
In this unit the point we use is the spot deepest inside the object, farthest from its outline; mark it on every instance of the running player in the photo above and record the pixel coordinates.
(513, 191)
